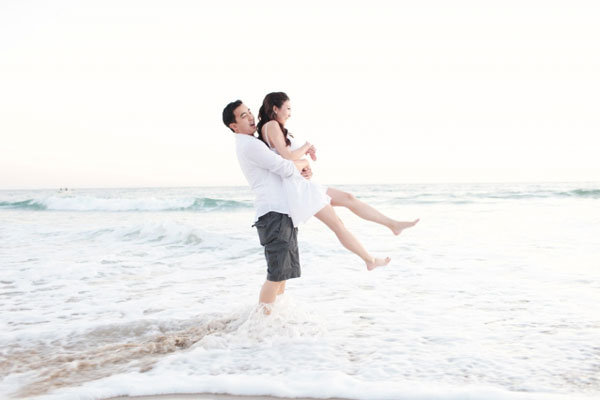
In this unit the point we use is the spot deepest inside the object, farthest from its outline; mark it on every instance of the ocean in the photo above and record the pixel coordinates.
(494, 294)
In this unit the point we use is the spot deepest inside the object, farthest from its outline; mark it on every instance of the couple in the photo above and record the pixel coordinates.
(279, 175)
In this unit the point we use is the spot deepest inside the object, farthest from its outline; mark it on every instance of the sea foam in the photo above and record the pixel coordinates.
(493, 298)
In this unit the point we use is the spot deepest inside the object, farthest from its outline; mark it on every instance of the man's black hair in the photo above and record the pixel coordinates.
(228, 116)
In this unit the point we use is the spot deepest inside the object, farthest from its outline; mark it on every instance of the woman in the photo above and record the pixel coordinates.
(307, 198)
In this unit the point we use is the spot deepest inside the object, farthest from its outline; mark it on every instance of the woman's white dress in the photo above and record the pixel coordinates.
(305, 197)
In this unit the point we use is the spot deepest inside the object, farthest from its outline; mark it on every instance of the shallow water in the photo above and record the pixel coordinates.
(494, 294)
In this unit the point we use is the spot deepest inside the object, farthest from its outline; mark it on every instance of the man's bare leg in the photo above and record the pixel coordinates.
(365, 211)
(281, 288)
(268, 293)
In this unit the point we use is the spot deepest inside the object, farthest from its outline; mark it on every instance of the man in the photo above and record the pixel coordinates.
(264, 171)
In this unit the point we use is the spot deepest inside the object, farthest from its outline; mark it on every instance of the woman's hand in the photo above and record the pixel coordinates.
(312, 152)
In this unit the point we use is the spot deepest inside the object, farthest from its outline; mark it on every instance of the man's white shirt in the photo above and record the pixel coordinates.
(264, 171)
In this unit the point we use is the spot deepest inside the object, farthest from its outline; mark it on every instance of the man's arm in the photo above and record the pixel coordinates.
(259, 154)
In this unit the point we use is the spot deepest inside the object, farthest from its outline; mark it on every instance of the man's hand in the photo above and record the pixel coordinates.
(301, 164)
(306, 172)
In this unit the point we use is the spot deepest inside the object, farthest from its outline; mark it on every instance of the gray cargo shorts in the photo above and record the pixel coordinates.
(278, 236)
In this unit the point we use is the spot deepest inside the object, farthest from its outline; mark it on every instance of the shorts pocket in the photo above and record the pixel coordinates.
(286, 228)
(268, 228)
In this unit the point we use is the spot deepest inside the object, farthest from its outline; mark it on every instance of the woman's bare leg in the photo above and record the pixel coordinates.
(329, 218)
(365, 211)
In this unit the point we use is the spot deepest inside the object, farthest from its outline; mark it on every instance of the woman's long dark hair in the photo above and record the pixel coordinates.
(266, 114)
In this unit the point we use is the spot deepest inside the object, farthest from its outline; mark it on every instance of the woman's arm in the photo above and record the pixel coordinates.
(278, 141)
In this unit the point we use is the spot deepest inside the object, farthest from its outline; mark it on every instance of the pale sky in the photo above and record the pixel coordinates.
(130, 93)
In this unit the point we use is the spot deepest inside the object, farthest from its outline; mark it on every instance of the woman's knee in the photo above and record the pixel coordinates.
(344, 199)
(348, 198)
(328, 216)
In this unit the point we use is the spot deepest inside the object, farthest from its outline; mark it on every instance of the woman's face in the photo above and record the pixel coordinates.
(283, 113)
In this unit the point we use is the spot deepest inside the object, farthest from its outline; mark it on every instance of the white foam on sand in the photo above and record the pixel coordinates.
(263, 340)
(318, 385)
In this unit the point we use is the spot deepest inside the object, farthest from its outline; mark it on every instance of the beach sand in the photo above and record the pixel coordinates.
(207, 396)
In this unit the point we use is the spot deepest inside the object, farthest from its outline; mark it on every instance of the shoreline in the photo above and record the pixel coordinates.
(210, 396)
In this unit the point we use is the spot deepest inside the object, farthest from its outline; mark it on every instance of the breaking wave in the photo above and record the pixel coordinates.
(88, 203)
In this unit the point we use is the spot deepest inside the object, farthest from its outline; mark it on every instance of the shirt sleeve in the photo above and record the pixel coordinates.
(259, 154)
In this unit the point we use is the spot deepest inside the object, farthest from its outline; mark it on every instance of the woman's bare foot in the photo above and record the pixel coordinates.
(398, 226)
(378, 262)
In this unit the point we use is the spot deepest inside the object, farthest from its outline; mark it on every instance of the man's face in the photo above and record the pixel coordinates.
(244, 120)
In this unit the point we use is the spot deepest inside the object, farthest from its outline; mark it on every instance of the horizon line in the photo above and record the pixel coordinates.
(324, 184)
